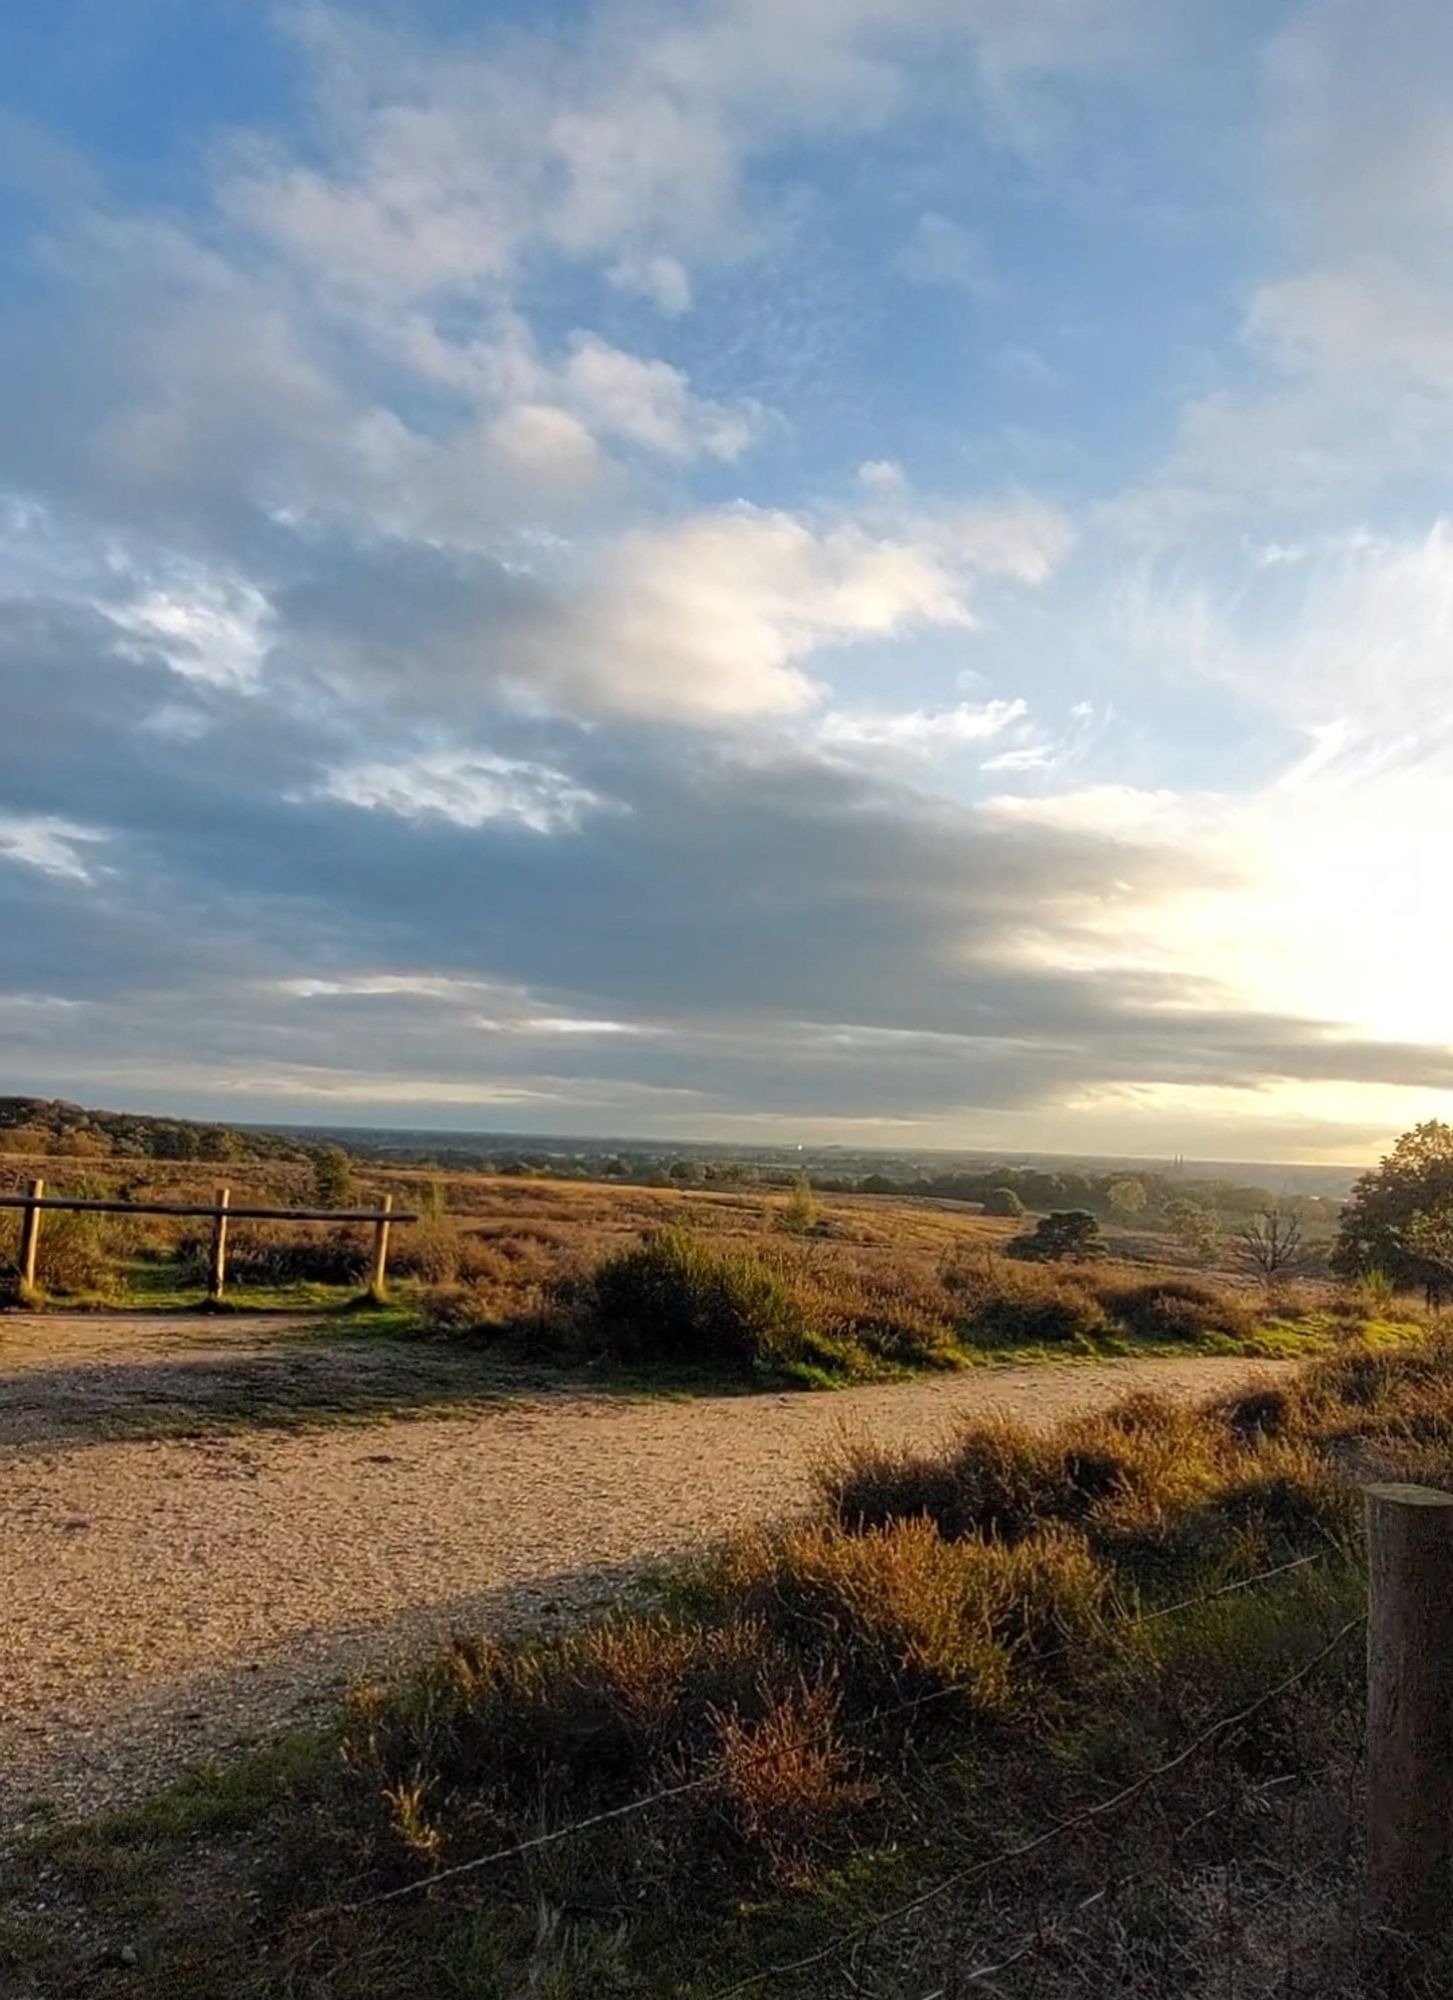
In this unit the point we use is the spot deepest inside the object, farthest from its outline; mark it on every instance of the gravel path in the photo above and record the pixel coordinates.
(165, 1601)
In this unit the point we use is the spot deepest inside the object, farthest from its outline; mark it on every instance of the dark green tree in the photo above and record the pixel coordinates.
(1066, 1235)
(1399, 1219)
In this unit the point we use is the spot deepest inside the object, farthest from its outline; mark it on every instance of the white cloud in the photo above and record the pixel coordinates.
(210, 629)
(381, 985)
(712, 618)
(468, 788)
(662, 280)
(918, 729)
(1309, 874)
(51, 845)
(943, 253)
(1345, 385)
(1019, 538)
(649, 403)
(445, 167)
(549, 447)
(1123, 812)
(570, 1024)
(717, 616)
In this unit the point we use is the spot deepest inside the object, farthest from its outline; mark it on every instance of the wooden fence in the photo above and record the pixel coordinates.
(35, 1201)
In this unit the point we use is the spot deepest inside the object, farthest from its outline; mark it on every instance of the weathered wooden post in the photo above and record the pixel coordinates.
(30, 1236)
(378, 1284)
(1409, 1716)
(217, 1272)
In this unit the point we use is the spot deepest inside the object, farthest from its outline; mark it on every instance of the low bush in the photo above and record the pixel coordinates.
(456, 1312)
(1017, 1305)
(437, 1251)
(76, 1256)
(677, 1300)
(899, 1611)
(1179, 1309)
(880, 1319)
(767, 1674)
(265, 1254)
(1162, 1492)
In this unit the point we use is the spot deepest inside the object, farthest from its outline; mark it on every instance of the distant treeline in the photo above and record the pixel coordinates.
(1143, 1198)
(1177, 1200)
(50, 1126)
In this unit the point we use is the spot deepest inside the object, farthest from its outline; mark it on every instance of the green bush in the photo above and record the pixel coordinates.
(267, 1254)
(677, 1300)
(1007, 1306)
(76, 1254)
(901, 1610)
(1070, 1235)
(1179, 1309)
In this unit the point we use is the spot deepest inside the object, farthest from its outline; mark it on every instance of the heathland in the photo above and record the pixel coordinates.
(1027, 1709)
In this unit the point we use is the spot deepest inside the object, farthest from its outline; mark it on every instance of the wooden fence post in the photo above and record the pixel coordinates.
(378, 1285)
(1409, 1715)
(217, 1273)
(30, 1236)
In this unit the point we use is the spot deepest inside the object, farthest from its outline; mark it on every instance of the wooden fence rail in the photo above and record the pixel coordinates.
(35, 1201)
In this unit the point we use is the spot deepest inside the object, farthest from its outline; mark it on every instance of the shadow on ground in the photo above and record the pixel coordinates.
(136, 1747)
(289, 1382)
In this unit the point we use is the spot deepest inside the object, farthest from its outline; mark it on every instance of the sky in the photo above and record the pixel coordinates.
(770, 569)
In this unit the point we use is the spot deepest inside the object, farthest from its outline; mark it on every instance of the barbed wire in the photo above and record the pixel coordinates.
(1043, 1936)
(961, 1876)
(706, 1779)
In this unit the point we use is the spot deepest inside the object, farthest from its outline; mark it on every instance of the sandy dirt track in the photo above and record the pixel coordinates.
(166, 1600)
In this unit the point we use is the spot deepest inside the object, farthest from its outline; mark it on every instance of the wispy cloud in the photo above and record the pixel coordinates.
(467, 788)
(51, 846)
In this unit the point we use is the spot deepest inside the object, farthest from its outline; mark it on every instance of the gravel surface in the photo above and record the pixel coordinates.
(170, 1600)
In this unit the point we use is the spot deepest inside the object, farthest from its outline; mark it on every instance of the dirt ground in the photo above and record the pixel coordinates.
(171, 1597)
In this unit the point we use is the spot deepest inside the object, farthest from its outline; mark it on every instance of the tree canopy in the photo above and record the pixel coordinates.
(1399, 1219)
(1071, 1234)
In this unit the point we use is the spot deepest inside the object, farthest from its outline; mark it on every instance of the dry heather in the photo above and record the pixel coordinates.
(956, 1650)
(747, 1283)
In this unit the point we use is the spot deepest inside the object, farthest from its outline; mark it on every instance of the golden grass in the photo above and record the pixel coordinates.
(945, 1626)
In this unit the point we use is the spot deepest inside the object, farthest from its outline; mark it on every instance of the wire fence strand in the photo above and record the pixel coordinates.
(706, 1779)
(1101, 1810)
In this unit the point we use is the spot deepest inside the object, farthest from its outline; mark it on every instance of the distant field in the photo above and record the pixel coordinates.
(692, 1287)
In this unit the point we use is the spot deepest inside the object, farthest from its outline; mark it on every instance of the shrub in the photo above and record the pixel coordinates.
(1052, 1318)
(332, 1177)
(267, 1254)
(454, 1311)
(785, 1775)
(1004, 1306)
(1003, 1201)
(880, 1319)
(428, 1251)
(76, 1253)
(675, 1299)
(437, 1253)
(798, 1215)
(1179, 1309)
(1375, 1291)
(1110, 1475)
(996, 1479)
(901, 1610)
(1068, 1235)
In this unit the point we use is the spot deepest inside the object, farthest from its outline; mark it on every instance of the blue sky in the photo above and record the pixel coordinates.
(783, 568)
